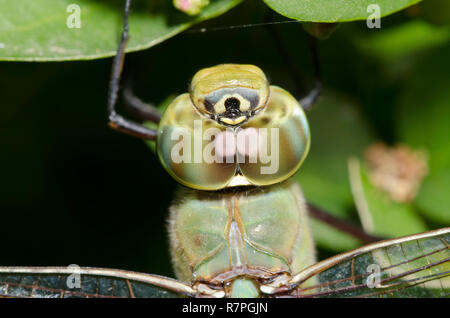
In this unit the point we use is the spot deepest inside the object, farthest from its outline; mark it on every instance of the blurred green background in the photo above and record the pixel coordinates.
(73, 191)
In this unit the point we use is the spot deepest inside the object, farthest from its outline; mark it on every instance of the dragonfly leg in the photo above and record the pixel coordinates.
(144, 110)
(115, 120)
(292, 67)
(315, 93)
(312, 97)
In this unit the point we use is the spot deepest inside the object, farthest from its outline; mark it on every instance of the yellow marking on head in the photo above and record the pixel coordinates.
(230, 121)
(219, 107)
(244, 104)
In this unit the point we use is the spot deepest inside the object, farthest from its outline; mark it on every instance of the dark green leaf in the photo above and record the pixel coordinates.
(424, 109)
(435, 11)
(433, 199)
(37, 30)
(335, 10)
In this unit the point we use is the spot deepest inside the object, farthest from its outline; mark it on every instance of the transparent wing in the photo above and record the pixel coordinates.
(85, 282)
(411, 266)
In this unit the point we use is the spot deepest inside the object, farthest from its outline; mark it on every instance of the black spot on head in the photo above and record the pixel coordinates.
(209, 106)
(232, 103)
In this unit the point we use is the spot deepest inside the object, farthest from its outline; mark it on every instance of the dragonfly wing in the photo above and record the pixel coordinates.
(412, 266)
(86, 282)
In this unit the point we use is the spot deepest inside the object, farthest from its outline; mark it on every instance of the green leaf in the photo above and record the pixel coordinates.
(433, 198)
(424, 109)
(332, 239)
(422, 117)
(403, 40)
(379, 214)
(335, 10)
(37, 30)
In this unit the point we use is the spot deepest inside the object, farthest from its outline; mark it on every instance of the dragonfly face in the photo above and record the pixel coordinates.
(233, 129)
(230, 94)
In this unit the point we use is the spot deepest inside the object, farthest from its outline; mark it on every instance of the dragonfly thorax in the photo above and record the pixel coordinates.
(238, 241)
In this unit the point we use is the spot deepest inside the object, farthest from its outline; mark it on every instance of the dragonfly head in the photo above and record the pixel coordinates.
(230, 93)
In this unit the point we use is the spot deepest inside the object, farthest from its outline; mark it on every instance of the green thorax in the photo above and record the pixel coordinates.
(253, 233)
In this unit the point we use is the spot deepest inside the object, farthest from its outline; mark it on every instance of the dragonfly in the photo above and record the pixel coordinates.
(239, 226)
